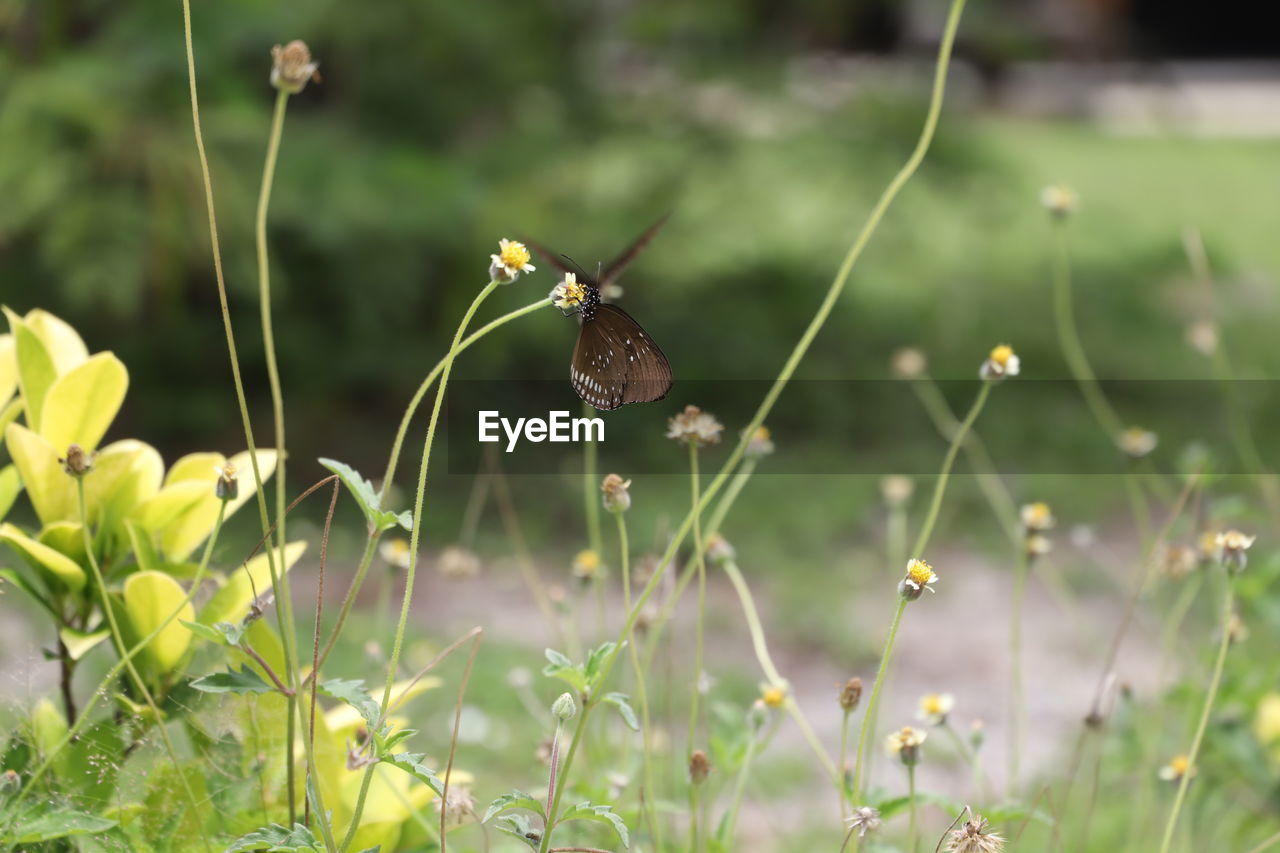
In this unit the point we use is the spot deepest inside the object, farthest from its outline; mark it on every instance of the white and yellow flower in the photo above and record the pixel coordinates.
(569, 293)
(919, 577)
(512, 259)
(934, 708)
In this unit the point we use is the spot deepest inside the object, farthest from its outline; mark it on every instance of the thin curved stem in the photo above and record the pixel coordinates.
(282, 609)
(944, 476)
(1228, 607)
(700, 560)
(414, 540)
(912, 817)
(872, 701)
(811, 332)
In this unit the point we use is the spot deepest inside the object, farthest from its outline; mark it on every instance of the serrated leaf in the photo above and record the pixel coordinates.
(367, 497)
(44, 825)
(353, 692)
(276, 838)
(600, 814)
(411, 763)
(893, 805)
(597, 657)
(622, 702)
(514, 800)
(204, 632)
(233, 681)
(518, 826)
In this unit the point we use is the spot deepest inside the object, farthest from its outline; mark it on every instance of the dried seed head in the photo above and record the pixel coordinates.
(975, 837)
(564, 708)
(908, 363)
(616, 493)
(77, 462)
(761, 443)
(699, 767)
(851, 694)
(459, 806)
(1003, 362)
(292, 67)
(865, 819)
(694, 427)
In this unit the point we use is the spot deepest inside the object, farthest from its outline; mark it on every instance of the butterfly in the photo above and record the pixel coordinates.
(615, 362)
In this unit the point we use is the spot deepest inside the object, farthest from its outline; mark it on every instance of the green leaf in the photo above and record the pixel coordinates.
(149, 598)
(44, 825)
(599, 814)
(596, 659)
(622, 702)
(204, 632)
(362, 490)
(61, 341)
(10, 487)
(276, 838)
(79, 643)
(56, 565)
(8, 368)
(893, 805)
(1009, 812)
(233, 681)
(51, 492)
(514, 800)
(29, 588)
(518, 826)
(36, 369)
(353, 692)
(411, 763)
(81, 404)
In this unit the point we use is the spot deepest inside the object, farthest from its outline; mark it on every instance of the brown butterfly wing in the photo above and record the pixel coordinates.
(615, 362)
(615, 267)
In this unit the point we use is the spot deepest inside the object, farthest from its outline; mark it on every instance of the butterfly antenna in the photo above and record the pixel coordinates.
(578, 267)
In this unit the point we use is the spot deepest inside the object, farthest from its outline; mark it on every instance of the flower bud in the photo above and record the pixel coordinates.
(699, 767)
(227, 486)
(773, 696)
(908, 363)
(292, 67)
(617, 494)
(77, 462)
(1232, 545)
(1003, 362)
(851, 695)
(1059, 199)
(719, 550)
(564, 708)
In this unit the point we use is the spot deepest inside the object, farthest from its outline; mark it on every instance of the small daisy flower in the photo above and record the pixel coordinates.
(1002, 363)
(896, 489)
(905, 743)
(1038, 545)
(458, 562)
(1037, 517)
(695, 427)
(1178, 767)
(865, 819)
(761, 443)
(1059, 199)
(1231, 546)
(395, 552)
(587, 565)
(908, 363)
(227, 486)
(975, 836)
(919, 577)
(292, 67)
(569, 293)
(511, 260)
(773, 696)
(616, 493)
(1137, 442)
(934, 708)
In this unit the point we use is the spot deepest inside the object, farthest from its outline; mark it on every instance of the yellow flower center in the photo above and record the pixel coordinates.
(773, 696)
(514, 255)
(932, 704)
(920, 572)
(1001, 355)
(570, 293)
(1180, 765)
(587, 560)
(762, 434)
(398, 547)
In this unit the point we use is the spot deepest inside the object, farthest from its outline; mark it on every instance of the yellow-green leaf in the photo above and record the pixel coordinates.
(231, 603)
(65, 537)
(195, 466)
(81, 403)
(51, 491)
(185, 532)
(48, 727)
(53, 563)
(62, 342)
(125, 473)
(35, 364)
(8, 368)
(149, 598)
(10, 486)
(79, 643)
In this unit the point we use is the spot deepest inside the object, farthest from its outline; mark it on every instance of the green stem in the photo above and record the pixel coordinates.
(739, 789)
(944, 476)
(1210, 696)
(282, 609)
(591, 489)
(642, 695)
(864, 732)
(574, 743)
(699, 557)
(414, 540)
(117, 637)
(101, 690)
(911, 817)
(815, 325)
(843, 779)
(756, 629)
(370, 549)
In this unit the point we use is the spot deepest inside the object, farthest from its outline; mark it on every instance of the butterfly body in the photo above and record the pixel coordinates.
(615, 362)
